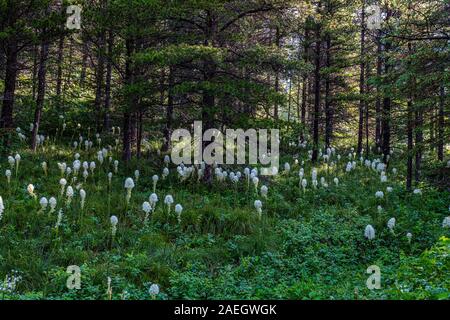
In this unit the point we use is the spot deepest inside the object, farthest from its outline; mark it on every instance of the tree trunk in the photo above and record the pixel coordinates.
(59, 71)
(367, 113)
(299, 95)
(289, 100)
(410, 151)
(3, 63)
(6, 119)
(169, 111)
(84, 62)
(303, 108)
(419, 144)
(315, 152)
(139, 133)
(378, 99)
(126, 152)
(277, 76)
(107, 106)
(99, 77)
(386, 127)
(34, 72)
(386, 112)
(305, 86)
(441, 124)
(69, 71)
(40, 93)
(410, 128)
(362, 102)
(328, 108)
(208, 107)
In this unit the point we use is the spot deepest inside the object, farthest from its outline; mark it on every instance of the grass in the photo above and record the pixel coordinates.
(307, 245)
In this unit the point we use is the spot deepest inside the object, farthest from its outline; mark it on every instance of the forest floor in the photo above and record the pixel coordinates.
(306, 244)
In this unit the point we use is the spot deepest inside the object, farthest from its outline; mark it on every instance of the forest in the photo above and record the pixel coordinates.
(94, 95)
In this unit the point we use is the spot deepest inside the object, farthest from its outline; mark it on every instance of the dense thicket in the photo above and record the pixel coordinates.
(325, 68)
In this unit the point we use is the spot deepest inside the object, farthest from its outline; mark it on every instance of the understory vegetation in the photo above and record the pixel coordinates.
(307, 244)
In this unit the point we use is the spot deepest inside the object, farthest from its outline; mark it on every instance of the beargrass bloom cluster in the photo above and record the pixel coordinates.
(147, 208)
(379, 194)
(264, 191)
(153, 199)
(153, 290)
(114, 221)
(129, 185)
(369, 232)
(8, 176)
(391, 224)
(446, 222)
(155, 179)
(409, 237)
(62, 183)
(178, 211)
(82, 198)
(258, 207)
(168, 200)
(69, 195)
(30, 190)
(44, 203)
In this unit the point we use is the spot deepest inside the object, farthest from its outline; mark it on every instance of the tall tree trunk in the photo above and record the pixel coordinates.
(60, 68)
(35, 69)
(299, 97)
(419, 144)
(362, 102)
(99, 80)
(432, 117)
(289, 100)
(386, 112)
(379, 91)
(3, 63)
(316, 111)
(107, 106)
(305, 84)
(277, 74)
(367, 113)
(208, 106)
(208, 101)
(328, 107)
(441, 124)
(169, 111)
(6, 119)
(40, 93)
(84, 61)
(69, 70)
(134, 124)
(140, 115)
(410, 127)
(386, 127)
(126, 132)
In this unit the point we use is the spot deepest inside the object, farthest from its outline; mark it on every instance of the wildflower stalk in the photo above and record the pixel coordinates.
(17, 167)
